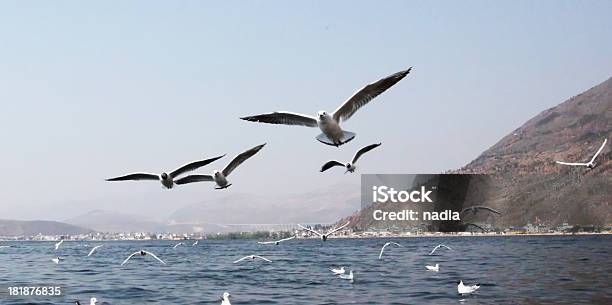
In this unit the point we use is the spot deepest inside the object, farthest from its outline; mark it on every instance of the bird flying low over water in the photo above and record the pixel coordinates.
(220, 177)
(94, 249)
(326, 235)
(58, 244)
(57, 260)
(225, 299)
(92, 301)
(466, 289)
(338, 271)
(253, 257)
(194, 243)
(591, 164)
(167, 179)
(330, 123)
(275, 242)
(142, 253)
(440, 246)
(476, 208)
(350, 166)
(385, 245)
(435, 268)
(179, 244)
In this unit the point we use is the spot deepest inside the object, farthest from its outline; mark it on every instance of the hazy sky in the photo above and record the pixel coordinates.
(93, 90)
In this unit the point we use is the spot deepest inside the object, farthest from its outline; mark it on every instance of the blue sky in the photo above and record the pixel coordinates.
(91, 90)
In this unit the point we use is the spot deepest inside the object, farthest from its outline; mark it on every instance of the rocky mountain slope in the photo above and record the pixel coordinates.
(35, 227)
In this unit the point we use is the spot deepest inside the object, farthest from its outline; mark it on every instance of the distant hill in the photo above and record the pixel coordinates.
(35, 227)
(108, 221)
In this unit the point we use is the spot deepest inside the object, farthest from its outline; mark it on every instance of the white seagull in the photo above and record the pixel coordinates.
(220, 177)
(326, 235)
(194, 243)
(142, 253)
(435, 268)
(349, 277)
(166, 179)
(463, 289)
(438, 246)
(253, 257)
(330, 123)
(350, 166)
(92, 301)
(338, 271)
(225, 299)
(58, 244)
(57, 260)
(275, 242)
(591, 164)
(385, 245)
(94, 249)
(179, 244)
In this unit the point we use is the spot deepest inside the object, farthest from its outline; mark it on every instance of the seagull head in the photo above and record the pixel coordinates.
(164, 176)
(226, 296)
(142, 252)
(216, 173)
(322, 115)
(93, 301)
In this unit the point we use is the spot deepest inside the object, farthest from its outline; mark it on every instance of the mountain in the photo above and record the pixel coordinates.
(108, 221)
(35, 227)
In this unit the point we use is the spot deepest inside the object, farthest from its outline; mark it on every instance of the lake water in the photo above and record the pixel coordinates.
(510, 270)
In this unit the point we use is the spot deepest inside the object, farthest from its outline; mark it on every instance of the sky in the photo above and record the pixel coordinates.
(91, 90)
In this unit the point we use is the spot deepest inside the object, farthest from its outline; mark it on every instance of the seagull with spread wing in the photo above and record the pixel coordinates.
(385, 245)
(166, 179)
(253, 257)
(220, 176)
(438, 247)
(94, 249)
(275, 242)
(142, 253)
(326, 235)
(591, 164)
(350, 166)
(58, 244)
(330, 123)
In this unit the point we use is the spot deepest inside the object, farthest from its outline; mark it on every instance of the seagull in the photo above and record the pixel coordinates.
(350, 166)
(57, 260)
(474, 209)
(435, 268)
(438, 246)
(58, 244)
(330, 123)
(591, 164)
(383, 248)
(463, 289)
(166, 179)
(220, 177)
(94, 249)
(253, 257)
(194, 243)
(92, 301)
(179, 244)
(225, 299)
(338, 271)
(142, 253)
(349, 277)
(275, 242)
(326, 235)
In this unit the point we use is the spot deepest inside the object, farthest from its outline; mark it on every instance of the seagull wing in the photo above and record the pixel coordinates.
(193, 166)
(94, 249)
(382, 250)
(286, 239)
(310, 230)
(265, 259)
(135, 176)
(284, 117)
(248, 256)
(194, 178)
(241, 158)
(434, 249)
(363, 151)
(338, 228)
(599, 150)
(366, 94)
(331, 164)
(573, 164)
(129, 257)
(155, 256)
(266, 242)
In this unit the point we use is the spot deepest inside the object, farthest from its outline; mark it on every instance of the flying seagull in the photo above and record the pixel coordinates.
(330, 123)
(463, 289)
(275, 242)
(349, 277)
(435, 268)
(438, 246)
(58, 244)
(220, 177)
(591, 164)
(350, 166)
(337, 271)
(94, 249)
(57, 260)
(166, 179)
(194, 243)
(225, 299)
(386, 244)
(474, 209)
(92, 301)
(179, 244)
(142, 253)
(253, 257)
(326, 235)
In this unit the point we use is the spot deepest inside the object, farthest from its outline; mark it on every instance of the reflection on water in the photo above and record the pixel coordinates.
(510, 270)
